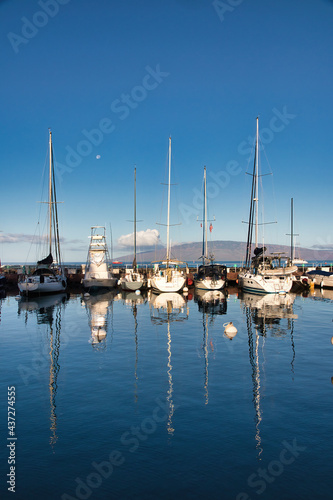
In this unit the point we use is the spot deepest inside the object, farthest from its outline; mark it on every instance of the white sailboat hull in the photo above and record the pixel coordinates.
(257, 283)
(32, 285)
(132, 281)
(209, 284)
(161, 284)
(131, 285)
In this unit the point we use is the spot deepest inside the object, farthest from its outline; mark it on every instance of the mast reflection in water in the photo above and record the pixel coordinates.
(210, 303)
(133, 300)
(48, 311)
(166, 308)
(264, 313)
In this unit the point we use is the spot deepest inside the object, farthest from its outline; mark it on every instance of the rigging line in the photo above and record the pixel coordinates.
(251, 155)
(55, 212)
(32, 242)
(163, 194)
(273, 187)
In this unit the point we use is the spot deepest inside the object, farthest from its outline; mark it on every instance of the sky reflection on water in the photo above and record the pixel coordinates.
(144, 396)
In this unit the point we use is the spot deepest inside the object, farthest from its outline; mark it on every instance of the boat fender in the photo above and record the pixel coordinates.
(119, 282)
(230, 330)
(185, 289)
(137, 292)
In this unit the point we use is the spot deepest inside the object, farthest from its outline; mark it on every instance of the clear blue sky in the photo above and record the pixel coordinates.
(114, 79)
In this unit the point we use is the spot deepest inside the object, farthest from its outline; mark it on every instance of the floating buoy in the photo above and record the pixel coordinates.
(137, 292)
(86, 294)
(185, 289)
(230, 330)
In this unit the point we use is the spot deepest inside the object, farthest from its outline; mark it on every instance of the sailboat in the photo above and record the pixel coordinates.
(133, 279)
(265, 274)
(47, 277)
(168, 277)
(210, 276)
(97, 273)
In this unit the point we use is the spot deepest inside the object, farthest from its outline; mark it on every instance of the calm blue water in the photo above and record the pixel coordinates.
(165, 405)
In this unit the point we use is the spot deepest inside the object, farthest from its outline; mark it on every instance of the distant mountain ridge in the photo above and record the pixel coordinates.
(226, 251)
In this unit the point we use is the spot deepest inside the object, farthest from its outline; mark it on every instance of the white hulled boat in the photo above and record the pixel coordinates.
(321, 278)
(133, 279)
(97, 273)
(265, 273)
(49, 276)
(210, 276)
(168, 275)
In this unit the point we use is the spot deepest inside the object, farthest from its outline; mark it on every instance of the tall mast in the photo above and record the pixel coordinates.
(204, 246)
(50, 192)
(257, 179)
(292, 230)
(168, 219)
(134, 262)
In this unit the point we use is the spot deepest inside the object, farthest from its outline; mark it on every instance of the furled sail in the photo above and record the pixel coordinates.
(47, 261)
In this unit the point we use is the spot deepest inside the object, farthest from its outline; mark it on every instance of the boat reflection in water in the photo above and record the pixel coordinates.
(265, 313)
(48, 310)
(321, 294)
(2, 296)
(268, 311)
(211, 301)
(133, 300)
(166, 308)
(99, 310)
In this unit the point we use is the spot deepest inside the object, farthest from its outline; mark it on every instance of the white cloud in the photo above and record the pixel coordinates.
(29, 238)
(148, 238)
(16, 238)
